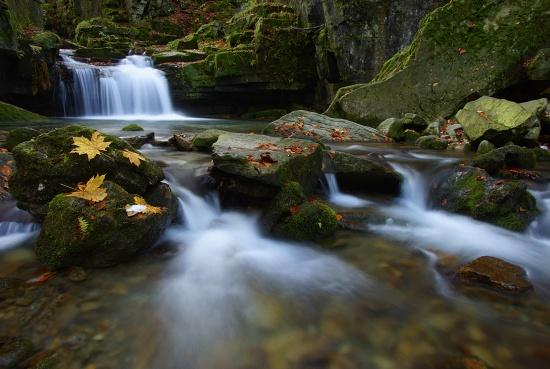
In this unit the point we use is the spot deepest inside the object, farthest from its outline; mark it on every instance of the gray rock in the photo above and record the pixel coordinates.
(431, 143)
(392, 127)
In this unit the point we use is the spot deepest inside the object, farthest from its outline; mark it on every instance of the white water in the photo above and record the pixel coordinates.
(225, 263)
(337, 197)
(13, 234)
(131, 90)
(460, 235)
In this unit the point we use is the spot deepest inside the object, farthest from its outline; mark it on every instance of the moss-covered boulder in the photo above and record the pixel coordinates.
(539, 67)
(289, 197)
(12, 113)
(178, 56)
(311, 221)
(484, 147)
(510, 156)
(204, 140)
(471, 191)
(497, 120)
(46, 167)
(19, 135)
(463, 49)
(392, 127)
(132, 128)
(46, 40)
(361, 174)
(189, 42)
(313, 126)
(431, 143)
(536, 107)
(76, 232)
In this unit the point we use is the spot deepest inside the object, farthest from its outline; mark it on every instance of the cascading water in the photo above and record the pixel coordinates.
(133, 89)
(14, 233)
(339, 198)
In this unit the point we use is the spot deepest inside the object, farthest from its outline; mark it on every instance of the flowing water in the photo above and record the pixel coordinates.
(217, 293)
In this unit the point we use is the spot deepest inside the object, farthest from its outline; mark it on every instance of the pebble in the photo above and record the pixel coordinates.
(77, 274)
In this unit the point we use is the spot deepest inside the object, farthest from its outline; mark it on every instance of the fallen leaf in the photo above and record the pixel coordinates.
(134, 157)
(480, 178)
(522, 210)
(268, 146)
(339, 134)
(92, 190)
(41, 278)
(92, 147)
(295, 209)
(265, 160)
(141, 206)
(294, 149)
(461, 50)
(339, 217)
(482, 114)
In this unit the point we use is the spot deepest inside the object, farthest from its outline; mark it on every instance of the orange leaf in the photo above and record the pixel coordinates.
(339, 217)
(41, 278)
(294, 209)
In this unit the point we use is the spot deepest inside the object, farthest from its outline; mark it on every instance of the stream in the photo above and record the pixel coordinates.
(216, 293)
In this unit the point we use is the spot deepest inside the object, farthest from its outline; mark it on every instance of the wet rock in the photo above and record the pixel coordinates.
(471, 191)
(453, 130)
(539, 67)
(431, 143)
(410, 136)
(78, 233)
(497, 120)
(178, 56)
(365, 175)
(182, 141)
(267, 162)
(14, 350)
(18, 135)
(132, 128)
(392, 127)
(485, 147)
(46, 166)
(448, 61)
(289, 196)
(511, 156)
(495, 274)
(204, 140)
(309, 221)
(138, 141)
(313, 126)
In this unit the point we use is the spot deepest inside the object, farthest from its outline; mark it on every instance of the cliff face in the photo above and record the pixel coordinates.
(356, 37)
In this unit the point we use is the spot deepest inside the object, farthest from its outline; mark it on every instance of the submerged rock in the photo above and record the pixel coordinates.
(360, 174)
(463, 49)
(46, 167)
(471, 191)
(495, 274)
(507, 156)
(498, 121)
(78, 233)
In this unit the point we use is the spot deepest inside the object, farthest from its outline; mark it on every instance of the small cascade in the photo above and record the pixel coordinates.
(133, 89)
(338, 198)
(14, 233)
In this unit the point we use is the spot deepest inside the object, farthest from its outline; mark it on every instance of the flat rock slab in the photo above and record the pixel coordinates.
(496, 274)
(319, 127)
(269, 160)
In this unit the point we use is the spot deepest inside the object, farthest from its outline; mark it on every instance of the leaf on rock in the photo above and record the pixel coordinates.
(339, 134)
(141, 206)
(92, 190)
(294, 149)
(265, 160)
(134, 157)
(92, 147)
(268, 146)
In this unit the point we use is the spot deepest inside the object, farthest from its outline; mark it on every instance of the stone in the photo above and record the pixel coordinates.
(19, 135)
(414, 121)
(289, 196)
(311, 221)
(539, 67)
(14, 350)
(12, 113)
(466, 48)
(392, 127)
(178, 56)
(471, 191)
(495, 274)
(138, 141)
(431, 143)
(182, 141)
(189, 42)
(360, 174)
(496, 120)
(313, 126)
(204, 140)
(484, 147)
(452, 129)
(99, 53)
(536, 107)
(78, 233)
(132, 128)
(46, 166)
(410, 136)
(511, 156)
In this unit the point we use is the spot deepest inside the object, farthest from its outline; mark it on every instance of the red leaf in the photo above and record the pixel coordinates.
(294, 209)
(41, 278)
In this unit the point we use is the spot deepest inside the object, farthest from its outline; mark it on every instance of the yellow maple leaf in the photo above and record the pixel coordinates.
(134, 157)
(141, 206)
(92, 147)
(91, 190)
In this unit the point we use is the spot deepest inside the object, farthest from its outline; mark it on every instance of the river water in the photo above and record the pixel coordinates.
(216, 293)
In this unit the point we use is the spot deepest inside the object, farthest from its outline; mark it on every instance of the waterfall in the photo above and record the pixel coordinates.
(336, 197)
(132, 89)
(14, 233)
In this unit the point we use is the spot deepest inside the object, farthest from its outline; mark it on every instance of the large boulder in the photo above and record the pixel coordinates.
(319, 127)
(78, 232)
(495, 274)
(463, 49)
(46, 167)
(471, 191)
(360, 174)
(257, 165)
(511, 156)
(498, 121)
(18, 135)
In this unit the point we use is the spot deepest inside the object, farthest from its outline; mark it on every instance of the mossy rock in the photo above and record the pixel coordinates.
(504, 157)
(410, 136)
(539, 67)
(290, 196)
(132, 128)
(463, 49)
(12, 113)
(431, 143)
(78, 233)
(46, 40)
(204, 140)
(46, 166)
(178, 56)
(211, 31)
(239, 38)
(234, 63)
(19, 135)
(189, 42)
(392, 127)
(536, 107)
(312, 221)
(198, 75)
(485, 147)
(471, 191)
(247, 18)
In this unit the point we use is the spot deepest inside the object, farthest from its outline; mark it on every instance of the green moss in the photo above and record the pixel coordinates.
(132, 127)
(19, 135)
(189, 42)
(46, 40)
(178, 56)
(431, 143)
(12, 113)
(204, 140)
(290, 195)
(313, 221)
(508, 156)
(199, 74)
(233, 63)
